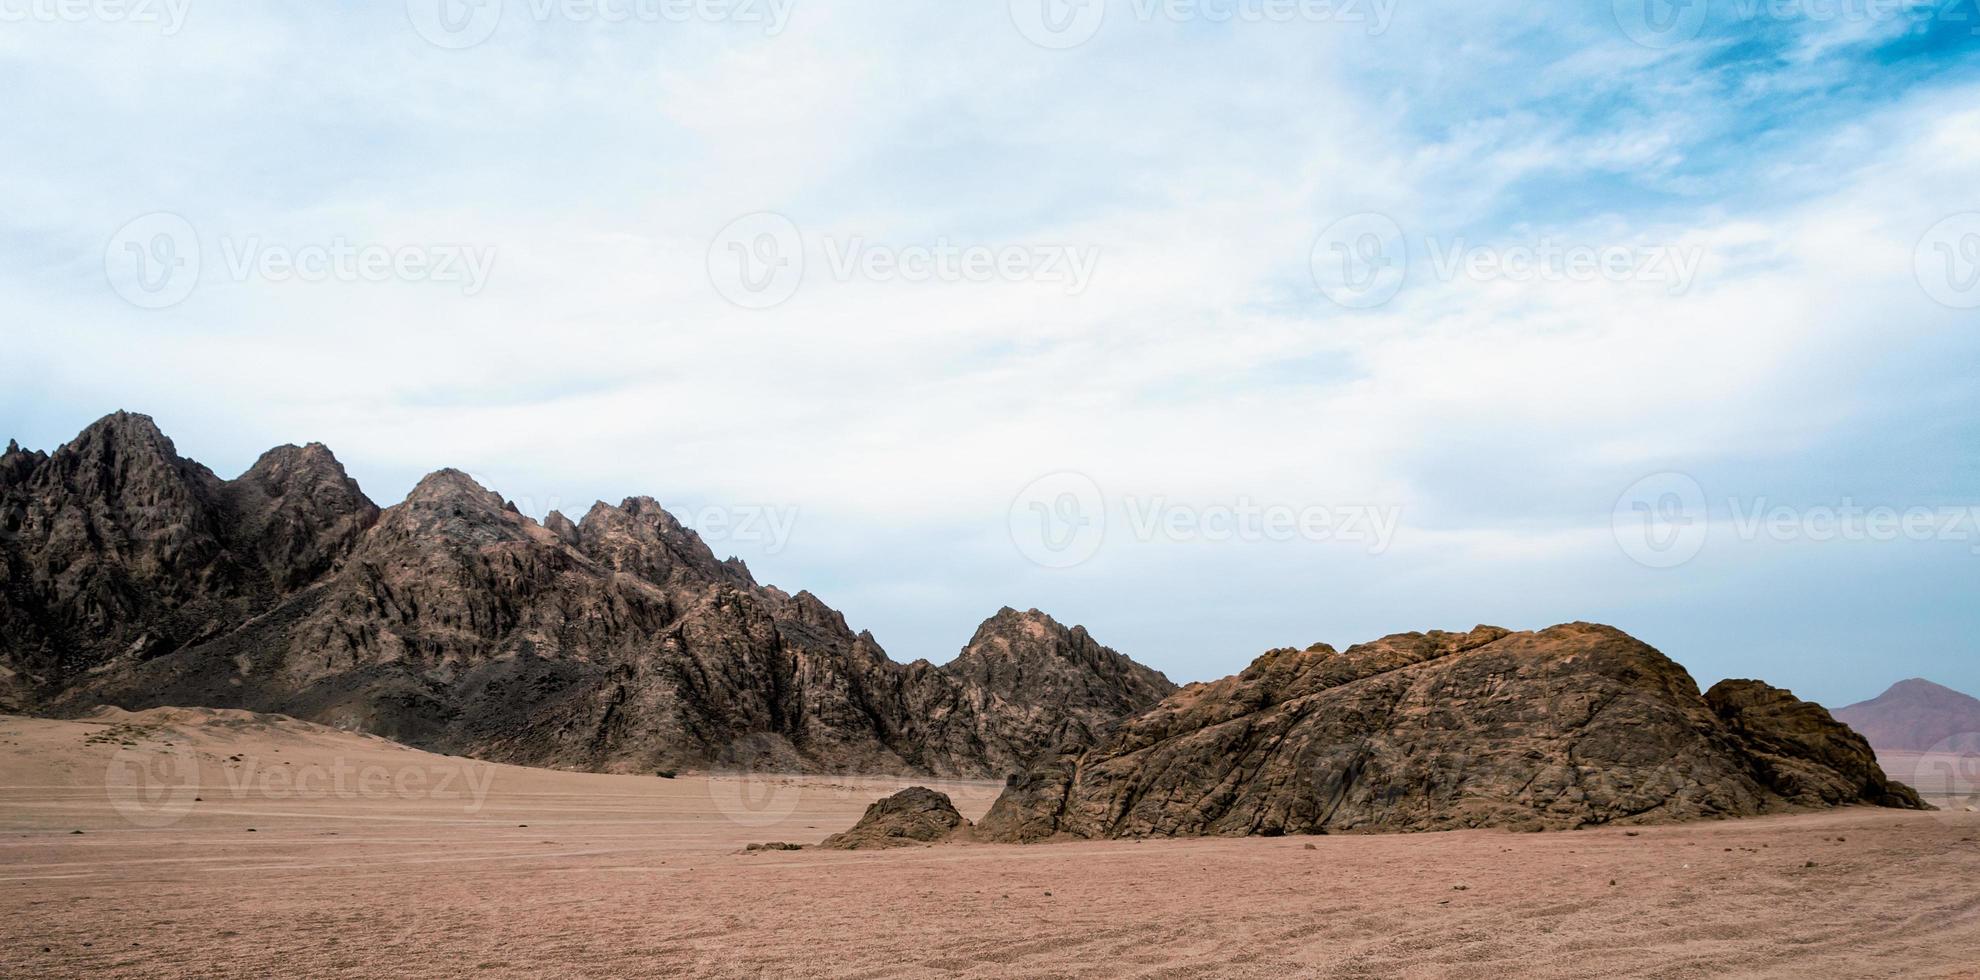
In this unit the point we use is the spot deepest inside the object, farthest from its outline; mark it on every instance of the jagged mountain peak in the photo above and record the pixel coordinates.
(453, 621)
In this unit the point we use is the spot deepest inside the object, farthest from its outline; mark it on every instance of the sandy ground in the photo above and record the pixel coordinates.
(301, 851)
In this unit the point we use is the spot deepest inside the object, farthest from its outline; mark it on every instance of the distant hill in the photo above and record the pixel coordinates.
(1917, 716)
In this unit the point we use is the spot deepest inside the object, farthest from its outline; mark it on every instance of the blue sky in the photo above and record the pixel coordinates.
(1806, 165)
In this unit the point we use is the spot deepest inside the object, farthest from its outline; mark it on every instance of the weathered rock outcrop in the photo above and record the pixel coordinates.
(1571, 726)
(916, 815)
(133, 577)
(1800, 752)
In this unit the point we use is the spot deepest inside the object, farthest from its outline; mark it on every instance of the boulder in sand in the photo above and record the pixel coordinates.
(916, 815)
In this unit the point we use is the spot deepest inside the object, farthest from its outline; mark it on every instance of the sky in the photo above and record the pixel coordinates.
(1212, 325)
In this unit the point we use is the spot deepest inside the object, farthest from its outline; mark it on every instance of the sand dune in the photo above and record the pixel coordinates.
(304, 851)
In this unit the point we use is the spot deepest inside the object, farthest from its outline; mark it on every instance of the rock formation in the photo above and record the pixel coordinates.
(1571, 726)
(1917, 716)
(916, 815)
(133, 577)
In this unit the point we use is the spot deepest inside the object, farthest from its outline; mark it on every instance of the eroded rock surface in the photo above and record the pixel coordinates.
(1571, 726)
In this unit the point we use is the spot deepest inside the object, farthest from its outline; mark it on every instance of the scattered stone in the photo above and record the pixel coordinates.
(775, 845)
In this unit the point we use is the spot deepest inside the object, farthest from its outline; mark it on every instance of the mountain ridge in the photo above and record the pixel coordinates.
(454, 622)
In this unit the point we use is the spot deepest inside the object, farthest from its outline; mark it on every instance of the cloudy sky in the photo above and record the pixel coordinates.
(1214, 326)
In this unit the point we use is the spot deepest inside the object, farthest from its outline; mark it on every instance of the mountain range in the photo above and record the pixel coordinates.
(131, 576)
(451, 621)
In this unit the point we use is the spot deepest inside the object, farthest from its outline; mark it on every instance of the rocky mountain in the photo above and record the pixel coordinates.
(451, 621)
(1917, 716)
(1571, 726)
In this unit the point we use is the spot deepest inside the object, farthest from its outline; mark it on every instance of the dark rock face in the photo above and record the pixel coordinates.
(916, 815)
(1572, 726)
(1802, 753)
(133, 577)
(1917, 716)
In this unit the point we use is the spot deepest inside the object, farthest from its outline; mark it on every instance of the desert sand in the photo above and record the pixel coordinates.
(304, 851)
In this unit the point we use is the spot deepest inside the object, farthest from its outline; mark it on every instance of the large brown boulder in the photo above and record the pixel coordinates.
(916, 815)
(1571, 726)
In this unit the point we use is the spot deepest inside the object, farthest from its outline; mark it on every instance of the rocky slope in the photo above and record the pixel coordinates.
(136, 578)
(1917, 716)
(1572, 726)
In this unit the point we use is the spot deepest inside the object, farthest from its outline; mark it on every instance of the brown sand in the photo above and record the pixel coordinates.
(374, 868)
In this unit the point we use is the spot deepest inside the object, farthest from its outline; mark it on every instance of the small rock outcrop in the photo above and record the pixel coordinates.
(1572, 726)
(916, 815)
